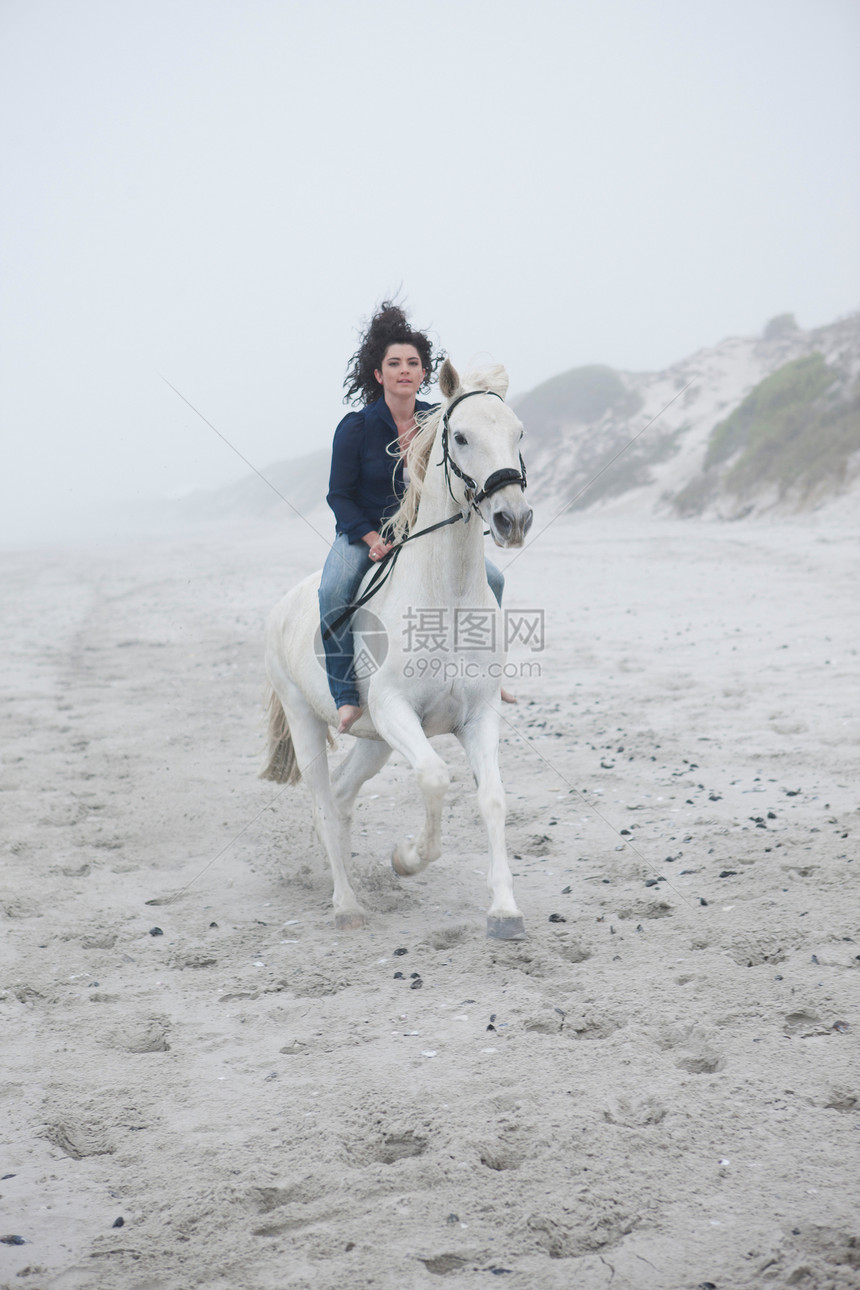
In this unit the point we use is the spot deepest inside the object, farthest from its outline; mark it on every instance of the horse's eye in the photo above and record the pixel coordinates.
(459, 438)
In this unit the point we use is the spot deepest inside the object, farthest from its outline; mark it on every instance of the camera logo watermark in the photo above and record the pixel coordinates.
(367, 651)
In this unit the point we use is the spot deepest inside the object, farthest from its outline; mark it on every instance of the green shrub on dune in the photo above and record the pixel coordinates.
(791, 431)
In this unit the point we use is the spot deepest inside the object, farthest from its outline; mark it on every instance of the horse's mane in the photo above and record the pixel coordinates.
(398, 526)
(401, 522)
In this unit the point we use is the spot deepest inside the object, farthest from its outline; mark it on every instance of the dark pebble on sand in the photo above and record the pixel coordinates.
(5, 1176)
(728, 873)
(12, 1240)
(702, 900)
(398, 976)
(156, 931)
(398, 953)
(416, 984)
(118, 1222)
(557, 918)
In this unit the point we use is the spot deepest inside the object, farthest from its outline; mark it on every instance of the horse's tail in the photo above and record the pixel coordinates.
(283, 767)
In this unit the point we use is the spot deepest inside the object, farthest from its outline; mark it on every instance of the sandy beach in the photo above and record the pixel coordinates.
(204, 1085)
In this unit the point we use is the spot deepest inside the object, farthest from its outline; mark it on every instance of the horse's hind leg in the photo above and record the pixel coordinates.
(400, 728)
(310, 736)
(365, 758)
(480, 739)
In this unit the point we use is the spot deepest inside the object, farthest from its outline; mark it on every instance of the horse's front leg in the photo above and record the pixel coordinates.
(480, 739)
(399, 726)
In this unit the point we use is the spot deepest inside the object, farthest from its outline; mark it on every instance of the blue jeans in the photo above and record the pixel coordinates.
(346, 564)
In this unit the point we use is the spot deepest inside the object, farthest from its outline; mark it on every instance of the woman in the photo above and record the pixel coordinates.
(392, 364)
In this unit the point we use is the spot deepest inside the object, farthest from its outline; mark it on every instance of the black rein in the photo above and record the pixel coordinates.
(474, 496)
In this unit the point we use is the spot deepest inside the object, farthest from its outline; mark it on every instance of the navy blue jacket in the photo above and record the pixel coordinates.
(366, 481)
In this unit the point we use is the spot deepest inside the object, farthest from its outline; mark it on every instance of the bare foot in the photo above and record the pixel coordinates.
(348, 714)
(507, 697)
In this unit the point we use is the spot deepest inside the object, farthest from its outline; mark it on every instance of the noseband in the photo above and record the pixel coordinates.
(498, 479)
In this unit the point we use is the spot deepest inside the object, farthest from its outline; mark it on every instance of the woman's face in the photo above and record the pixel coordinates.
(401, 372)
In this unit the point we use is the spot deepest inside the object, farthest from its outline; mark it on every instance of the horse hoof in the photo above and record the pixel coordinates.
(349, 922)
(400, 867)
(506, 929)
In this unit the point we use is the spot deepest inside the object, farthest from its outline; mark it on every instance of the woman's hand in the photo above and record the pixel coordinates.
(377, 549)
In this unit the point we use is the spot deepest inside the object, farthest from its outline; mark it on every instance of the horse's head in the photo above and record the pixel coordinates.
(482, 446)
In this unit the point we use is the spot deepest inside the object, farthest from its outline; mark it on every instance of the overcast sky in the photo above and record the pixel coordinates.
(220, 191)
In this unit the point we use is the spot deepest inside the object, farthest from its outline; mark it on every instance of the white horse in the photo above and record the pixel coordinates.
(471, 464)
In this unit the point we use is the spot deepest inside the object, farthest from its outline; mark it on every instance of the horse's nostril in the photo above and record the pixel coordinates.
(527, 522)
(504, 522)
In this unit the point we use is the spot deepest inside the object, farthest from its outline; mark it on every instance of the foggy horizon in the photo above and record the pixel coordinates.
(220, 195)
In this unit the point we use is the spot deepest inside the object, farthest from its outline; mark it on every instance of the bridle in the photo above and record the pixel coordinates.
(474, 496)
(498, 479)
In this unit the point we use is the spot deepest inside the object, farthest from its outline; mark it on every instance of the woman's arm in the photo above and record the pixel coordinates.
(345, 479)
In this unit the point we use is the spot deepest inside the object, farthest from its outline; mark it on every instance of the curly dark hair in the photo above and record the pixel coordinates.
(388, 326)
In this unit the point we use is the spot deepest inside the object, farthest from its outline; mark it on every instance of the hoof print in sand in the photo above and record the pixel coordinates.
(646, 909)
(841, 1099)
(192, 959)
(441, 1265)
(79, 1139)
(595, 1222)
(502, 1156)
(815, 1256)
(570, 951)
(694, 1048)
(148, 1036)
(704, 1063)
(442, 938)
(387, 1148)
(755, 949)
(640, 1114)
(805, 1025)
(549, 1022)
(308, 985)
(265, 1200)
(591, 1026)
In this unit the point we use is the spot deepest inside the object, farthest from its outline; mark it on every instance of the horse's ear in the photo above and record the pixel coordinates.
(449, 381)
(493, 378)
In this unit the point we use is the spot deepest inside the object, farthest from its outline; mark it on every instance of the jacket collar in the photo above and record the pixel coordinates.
(380, 412)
